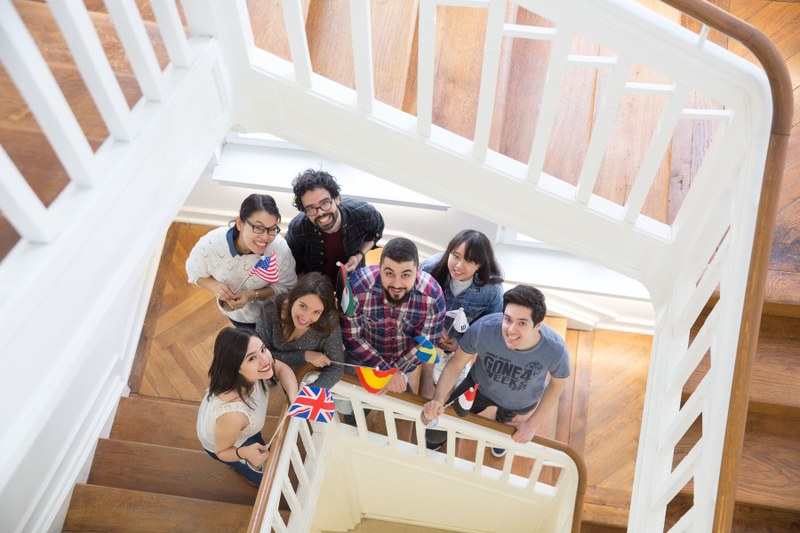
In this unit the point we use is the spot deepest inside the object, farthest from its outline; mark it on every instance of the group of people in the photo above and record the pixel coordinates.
(287, 315)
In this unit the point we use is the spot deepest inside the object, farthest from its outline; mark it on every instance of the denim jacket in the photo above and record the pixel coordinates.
(476, 301)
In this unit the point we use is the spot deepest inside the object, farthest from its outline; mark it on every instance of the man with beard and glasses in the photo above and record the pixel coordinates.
(329, 228)
(394, 303)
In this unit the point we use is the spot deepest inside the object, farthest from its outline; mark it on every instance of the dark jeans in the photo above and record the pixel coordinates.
(244, 469)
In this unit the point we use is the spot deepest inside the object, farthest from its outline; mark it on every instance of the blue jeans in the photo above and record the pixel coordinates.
(243, 469)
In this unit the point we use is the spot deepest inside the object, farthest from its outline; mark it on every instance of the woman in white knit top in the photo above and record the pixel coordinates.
(222, 259)
(233, 410)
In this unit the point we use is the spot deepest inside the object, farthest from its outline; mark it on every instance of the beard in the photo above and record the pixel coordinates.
(328, 225)
(396, 301)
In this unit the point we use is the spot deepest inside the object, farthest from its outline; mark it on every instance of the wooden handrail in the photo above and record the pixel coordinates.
(270, 473)
(270, 468)
(781, 88)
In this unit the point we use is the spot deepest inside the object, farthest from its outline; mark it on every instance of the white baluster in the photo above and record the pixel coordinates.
(425, 60)
(91, 60)
(547, 110)
(361, 28)
(488, 89)
(21, 206)
(654, 155)
(601, 132)
(171, 27)
(298, 43)
(28, 70)
(138, 48)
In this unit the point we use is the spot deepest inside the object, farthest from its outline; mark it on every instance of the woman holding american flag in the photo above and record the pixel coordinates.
(245, 264)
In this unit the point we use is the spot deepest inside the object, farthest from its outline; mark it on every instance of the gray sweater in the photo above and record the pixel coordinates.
(268, 327)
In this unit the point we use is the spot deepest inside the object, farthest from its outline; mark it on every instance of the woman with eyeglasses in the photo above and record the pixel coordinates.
(222, 261)
(234, 408)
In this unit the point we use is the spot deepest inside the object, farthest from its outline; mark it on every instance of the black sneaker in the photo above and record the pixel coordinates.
(499, 452)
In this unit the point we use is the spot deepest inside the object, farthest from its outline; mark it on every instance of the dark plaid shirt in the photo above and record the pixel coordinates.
(360, 223)
(381, 335)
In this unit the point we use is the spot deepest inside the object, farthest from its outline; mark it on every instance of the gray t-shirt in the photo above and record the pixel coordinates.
(513, 379)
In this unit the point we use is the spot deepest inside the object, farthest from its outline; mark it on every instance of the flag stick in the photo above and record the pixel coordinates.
(352, 365)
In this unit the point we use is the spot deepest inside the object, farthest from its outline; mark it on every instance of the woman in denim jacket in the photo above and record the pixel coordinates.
(471, 279)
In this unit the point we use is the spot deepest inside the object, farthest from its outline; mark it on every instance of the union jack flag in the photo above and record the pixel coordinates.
(266, 268)
(313, 403)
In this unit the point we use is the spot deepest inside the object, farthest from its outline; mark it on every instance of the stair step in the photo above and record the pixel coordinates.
(269, 29)
(109, 509)
(157, 421)
(769, 468)
(176, 422)
(775, 381)
(167, 470)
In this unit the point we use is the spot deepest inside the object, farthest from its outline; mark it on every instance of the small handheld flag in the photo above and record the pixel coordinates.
(373, 379)
(464, 402)
(344, 293)
(426, 351)
(266, 268)
(313, 403)
(460, 323)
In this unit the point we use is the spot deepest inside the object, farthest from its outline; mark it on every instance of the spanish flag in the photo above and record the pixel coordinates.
(373, 379)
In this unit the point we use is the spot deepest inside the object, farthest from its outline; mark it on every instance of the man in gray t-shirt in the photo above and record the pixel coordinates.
(516, 353)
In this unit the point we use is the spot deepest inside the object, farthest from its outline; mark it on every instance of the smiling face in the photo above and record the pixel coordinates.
(397, 280)
(257, 363)
(322, 210)
(519, 331)
(459, 266)
(249, 241)
(306, 310)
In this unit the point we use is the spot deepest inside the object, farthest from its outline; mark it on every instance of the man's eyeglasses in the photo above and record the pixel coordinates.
(258, 228)
(324, 205)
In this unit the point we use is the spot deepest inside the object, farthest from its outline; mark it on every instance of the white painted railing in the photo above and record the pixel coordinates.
(682, 262)
(706, 247)
(548, 492)
(75, 288)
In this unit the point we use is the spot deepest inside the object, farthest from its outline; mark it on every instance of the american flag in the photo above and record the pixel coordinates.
(313, 403)
(266, 268)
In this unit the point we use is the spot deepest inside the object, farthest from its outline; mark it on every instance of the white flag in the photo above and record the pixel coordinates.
(460, 323)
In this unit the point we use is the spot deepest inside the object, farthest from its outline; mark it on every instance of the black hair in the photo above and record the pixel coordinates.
(527, 296)
(311, 179)
(400, 250)
(477, 249)
(230, 347)
(253, 204)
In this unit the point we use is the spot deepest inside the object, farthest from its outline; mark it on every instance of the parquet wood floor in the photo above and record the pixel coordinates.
(599, 415)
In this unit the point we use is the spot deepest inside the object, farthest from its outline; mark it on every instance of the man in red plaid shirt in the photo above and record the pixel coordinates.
(394, 303)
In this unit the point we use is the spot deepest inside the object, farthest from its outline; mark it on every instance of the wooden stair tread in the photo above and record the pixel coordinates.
(157, 421)
(109, 509)
(167, 470)
(769, 470)
(775, 381)
(176, 422)
(269, 29)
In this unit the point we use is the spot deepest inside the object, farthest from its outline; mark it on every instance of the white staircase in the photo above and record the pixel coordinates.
(75, 288)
